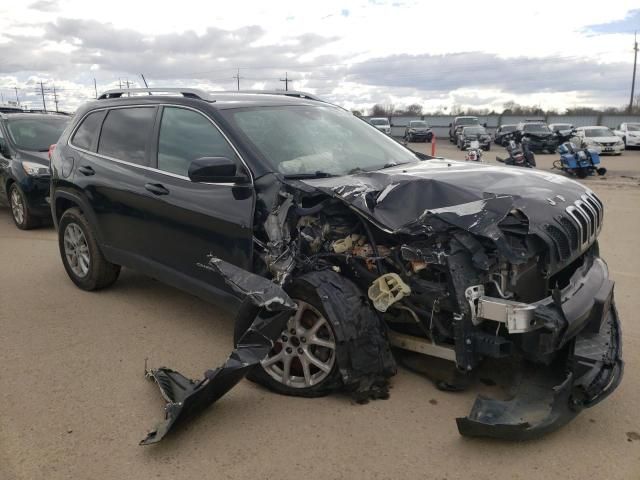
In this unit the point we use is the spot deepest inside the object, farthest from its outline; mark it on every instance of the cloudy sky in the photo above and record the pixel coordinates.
(355, 53)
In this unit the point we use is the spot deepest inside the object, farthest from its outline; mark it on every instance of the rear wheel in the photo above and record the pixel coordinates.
(22, 217)
(303, 360)
(84, 262)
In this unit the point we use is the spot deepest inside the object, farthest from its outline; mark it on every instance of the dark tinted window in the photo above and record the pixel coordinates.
(36, 133)
(186, 135)
(125, 132)
(88, 131)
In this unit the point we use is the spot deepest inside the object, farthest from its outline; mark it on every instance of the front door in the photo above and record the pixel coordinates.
(190, 223)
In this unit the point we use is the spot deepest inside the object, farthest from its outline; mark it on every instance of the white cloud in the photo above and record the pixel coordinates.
(322, 45)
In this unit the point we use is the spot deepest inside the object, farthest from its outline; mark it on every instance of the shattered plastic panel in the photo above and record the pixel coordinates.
(186, 397)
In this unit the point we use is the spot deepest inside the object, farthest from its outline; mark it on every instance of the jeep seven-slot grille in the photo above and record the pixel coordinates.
(576, 231)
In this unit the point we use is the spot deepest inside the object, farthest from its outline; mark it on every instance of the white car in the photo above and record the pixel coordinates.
(629, 133)
(600, 139)
(381, 124)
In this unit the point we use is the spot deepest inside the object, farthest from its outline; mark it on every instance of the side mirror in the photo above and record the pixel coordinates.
(215, 170)
(450, 125)
(484, 124)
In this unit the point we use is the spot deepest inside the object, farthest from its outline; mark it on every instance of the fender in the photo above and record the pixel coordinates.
(81, 202)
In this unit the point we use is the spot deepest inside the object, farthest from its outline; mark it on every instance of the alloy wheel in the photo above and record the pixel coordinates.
(76, 250)
(305, 353)
(17, 206)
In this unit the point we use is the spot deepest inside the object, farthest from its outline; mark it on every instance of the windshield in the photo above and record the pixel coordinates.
(507, 128)
(536, 128)
(633, 127)
(36, 133)
(562, 126)
(474, 131)
(467, 121)
(416, 124)
(379, 121)
(598, 132)
(313, 140)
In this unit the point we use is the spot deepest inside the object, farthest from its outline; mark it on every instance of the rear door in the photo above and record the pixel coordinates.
(112, 176)
(190, 223)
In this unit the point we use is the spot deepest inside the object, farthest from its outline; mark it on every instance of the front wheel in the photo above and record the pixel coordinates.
(22, 216)
(302, 362)
(81, 256)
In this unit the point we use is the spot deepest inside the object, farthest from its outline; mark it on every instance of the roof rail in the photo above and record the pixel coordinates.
(185, 92)
(286, 93)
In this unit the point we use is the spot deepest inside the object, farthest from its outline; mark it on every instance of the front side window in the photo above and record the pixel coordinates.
(185, 136)
(88, 131)
(125, 133)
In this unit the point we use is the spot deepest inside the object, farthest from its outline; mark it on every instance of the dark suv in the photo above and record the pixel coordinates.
(341, 243)
(25, 139)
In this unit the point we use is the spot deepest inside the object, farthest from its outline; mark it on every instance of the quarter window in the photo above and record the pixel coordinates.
(125, 133)
(88, 131)
(185, 136)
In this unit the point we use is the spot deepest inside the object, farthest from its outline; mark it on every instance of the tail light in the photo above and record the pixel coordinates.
(51, 149)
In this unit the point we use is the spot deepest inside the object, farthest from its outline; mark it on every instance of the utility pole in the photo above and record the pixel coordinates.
(17, 99)
(55, 97)
(237, 77)
(635, 60)
(1, 97)
(286, 81)
(95, 87)
(144, 80)
(120, 82)
(44, 103)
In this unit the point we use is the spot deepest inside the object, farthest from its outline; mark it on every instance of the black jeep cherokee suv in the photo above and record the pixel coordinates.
(25, 139)
(341, 243)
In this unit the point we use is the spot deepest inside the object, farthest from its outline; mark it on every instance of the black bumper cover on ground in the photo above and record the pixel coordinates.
(547, 398)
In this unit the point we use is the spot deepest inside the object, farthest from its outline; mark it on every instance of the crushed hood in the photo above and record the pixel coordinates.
(474, 197)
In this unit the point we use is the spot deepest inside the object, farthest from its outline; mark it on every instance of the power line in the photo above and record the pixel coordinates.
(635, 60)
(286, 81)
(237, 77)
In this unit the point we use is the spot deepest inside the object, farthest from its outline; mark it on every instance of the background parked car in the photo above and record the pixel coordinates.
(600, 139)
(540, 136)
(560, 127)
(458, 124)
(418, 131)
(467, 134)
(501, 131)
(24, 164)
(381, 124)
(629, 133)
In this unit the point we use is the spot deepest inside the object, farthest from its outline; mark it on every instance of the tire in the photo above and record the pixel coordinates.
(76, 239)
(488, 147)
(328, 382)
(22, 216)
(581, 172)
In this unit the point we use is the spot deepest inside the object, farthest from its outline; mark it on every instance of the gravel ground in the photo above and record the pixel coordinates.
(75, 402)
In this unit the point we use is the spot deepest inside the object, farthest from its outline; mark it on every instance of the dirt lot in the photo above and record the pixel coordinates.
(75, 402)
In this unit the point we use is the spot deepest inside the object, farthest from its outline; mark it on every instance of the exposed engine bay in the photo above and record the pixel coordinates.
(464, 263)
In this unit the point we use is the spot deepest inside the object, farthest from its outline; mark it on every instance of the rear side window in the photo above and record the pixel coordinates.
(87, 133)
(185, 136)
(125, 133)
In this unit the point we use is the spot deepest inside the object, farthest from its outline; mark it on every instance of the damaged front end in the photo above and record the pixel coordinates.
(426, 258)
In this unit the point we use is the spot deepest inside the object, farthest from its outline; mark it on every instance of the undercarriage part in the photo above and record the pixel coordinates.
(421, 345)
(549, 397)
(387, 290)
(185, 397)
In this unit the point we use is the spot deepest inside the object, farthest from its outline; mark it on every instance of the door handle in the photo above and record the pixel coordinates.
(87, 171)
(156, 188)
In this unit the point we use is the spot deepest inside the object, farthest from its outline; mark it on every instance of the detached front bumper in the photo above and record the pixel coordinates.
(588, 367)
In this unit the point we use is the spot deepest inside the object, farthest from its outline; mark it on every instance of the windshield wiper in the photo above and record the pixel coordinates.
(318, 174)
